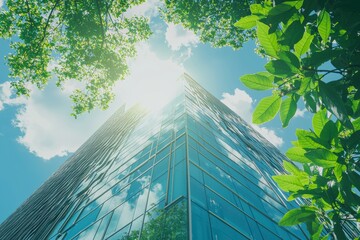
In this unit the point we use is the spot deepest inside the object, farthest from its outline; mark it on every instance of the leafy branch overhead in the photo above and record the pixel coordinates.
(86, 41)
(213, 21)
(313, 51)
(91, 41)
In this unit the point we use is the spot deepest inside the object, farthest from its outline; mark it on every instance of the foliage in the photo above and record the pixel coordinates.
(87, 41)
(212, 20)
(169, 223)
(313, 50)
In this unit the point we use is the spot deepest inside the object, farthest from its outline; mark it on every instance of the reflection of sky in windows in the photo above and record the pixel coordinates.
(133, 184)
(229, 186)
(237, 174)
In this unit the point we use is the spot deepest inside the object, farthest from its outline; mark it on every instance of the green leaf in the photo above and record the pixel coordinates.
(293, 33)
(288, 183)
(298, 215)
(304, 85)
(356, 124)
(247, 22)
(280, 9)
(315, 229)
(347, 193)
(303, 45)
(297, 154)
(311, 191)
(355, 108)
(307, 169)
(289, 57)
(267, 41)
(266, 109)
(296, 3)
(319, 120)
(291, 168)
(287, 110)
(281, 68)
(258, 81)
(316, 59)
(258, 9)
(284, 7)
(311, 100)
(324, 25)
(338, 170)
(334, 103)
(308, 140)
(353, 141)
(329, 132)
(322, 157)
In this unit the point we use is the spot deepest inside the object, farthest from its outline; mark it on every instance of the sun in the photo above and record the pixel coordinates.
(153, 81)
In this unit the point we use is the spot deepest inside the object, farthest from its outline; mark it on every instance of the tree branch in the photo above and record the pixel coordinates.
(29, 14)
(48, 21)
(101, 22)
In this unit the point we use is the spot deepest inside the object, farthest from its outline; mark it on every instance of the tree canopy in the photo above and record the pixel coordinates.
(91, 41)
(313, 51)
(86, 41)
(213, 20)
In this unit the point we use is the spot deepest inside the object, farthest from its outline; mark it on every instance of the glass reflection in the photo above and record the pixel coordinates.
(145, 187)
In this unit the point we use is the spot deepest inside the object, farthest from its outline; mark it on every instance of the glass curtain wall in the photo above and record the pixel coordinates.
(141, 191)
(230, 165)
(193, 170)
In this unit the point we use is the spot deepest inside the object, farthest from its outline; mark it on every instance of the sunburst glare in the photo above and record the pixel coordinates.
(153, 81)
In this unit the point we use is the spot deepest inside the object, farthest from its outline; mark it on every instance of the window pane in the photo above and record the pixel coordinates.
(104, 223)
(179, 181)
(160, 168)
(200, 223)
(157, 191)
(83, 223)
(180, 154)
(120, 234)
(198, 193)
(228, 212)
(196, 173)
(222, 231)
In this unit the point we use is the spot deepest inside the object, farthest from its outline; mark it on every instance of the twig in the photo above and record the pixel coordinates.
(101, 22)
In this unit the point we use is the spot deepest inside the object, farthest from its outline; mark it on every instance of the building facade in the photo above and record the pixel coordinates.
(192, 170)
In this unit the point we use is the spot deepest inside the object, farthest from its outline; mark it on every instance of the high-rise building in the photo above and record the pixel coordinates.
(191, 170)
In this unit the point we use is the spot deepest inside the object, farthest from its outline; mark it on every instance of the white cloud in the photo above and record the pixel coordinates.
(44, 119)
(47, 127)
(177, 37)
(270, 135)
(300, 113)
(149, 8)
(7, 96)
(241, 103)
(1, 3)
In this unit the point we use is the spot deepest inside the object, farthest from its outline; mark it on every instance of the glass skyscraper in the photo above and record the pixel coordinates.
(191, 170)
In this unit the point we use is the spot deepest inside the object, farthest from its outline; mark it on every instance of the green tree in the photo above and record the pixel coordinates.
(86, 41)
(313, 52)
(212, 20)
(163, 224)
(90, 41)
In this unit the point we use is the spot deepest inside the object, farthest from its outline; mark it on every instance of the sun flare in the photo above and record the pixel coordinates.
(153, 81)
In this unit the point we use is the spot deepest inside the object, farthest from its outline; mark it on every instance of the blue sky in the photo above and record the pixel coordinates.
(38, 134)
